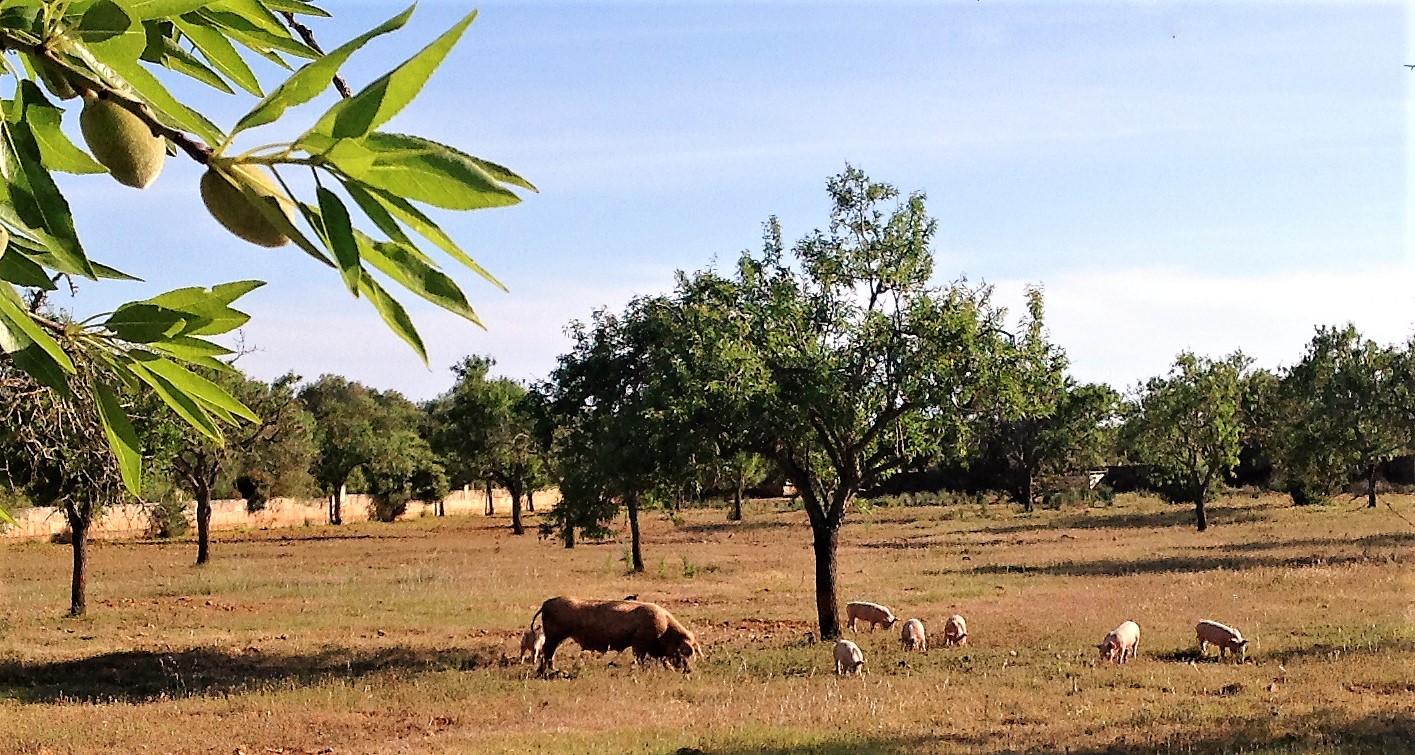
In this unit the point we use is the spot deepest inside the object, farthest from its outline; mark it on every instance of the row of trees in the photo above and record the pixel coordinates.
(328, 436)
(839, 363)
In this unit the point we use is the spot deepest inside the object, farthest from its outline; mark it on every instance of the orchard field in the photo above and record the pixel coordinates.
(402, 637)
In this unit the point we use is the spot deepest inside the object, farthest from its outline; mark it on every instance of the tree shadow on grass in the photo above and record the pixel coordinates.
(1175, 515)
(757, 524)
(1183, 564)
(145, 675)
(1327, 732)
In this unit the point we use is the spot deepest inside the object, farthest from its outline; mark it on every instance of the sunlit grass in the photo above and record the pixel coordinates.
(403, 637)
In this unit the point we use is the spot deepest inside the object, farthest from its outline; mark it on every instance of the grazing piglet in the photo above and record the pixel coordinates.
(873, 613)
(848, 658)
(1121, 644)
(532, 644)
(955, 631)
(1225, 638)
(912, 636)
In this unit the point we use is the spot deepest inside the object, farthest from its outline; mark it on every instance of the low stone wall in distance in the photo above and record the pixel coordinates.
(134, 520)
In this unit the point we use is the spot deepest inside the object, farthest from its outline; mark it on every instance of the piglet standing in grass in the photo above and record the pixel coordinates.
(1225, 638)
(532, 644)
(872, 613)
(911, 637)
(1122, 643)
(955, 631)
(849, 659)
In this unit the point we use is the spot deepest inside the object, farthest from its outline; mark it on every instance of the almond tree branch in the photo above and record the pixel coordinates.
(307, 35)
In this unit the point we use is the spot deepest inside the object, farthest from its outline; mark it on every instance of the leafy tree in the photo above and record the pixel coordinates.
(486, 430)
(266, 455)
(360, 429)
(1343, 407)
(121, 56)
(403, 468)
(1044, 421)
(53, 446)
(865, 367)
(614, 404)
(1190, 426)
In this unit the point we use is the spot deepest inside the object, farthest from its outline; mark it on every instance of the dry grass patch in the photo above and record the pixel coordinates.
(377, 638)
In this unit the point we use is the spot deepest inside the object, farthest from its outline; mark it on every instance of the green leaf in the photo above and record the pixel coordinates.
(5, 517)
(198, 387)
(425, 227)
(103, 20)
(219, 51)
(313, 78)
(296, 6)
(121, 437)
(229, 292)
(339, 235)
(381, 100)
(253, 12)
(208, 312)
(193, 350)
(143, 10)
(398, 263)
(37, 203)
(393, 314)
(185, 406)
(259, 39)
(19, 269)
(503, 173)
(418, 169)
(140, 322)
(178, 59)
(24, 331)
(56, 152)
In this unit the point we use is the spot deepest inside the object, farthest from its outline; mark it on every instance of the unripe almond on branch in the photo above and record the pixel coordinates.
(122, 142)
(239, 212)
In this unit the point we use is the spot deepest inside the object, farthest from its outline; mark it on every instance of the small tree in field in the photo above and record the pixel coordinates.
(864, 367)
(1190, 426)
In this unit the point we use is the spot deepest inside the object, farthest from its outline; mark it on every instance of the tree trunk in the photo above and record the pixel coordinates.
(79, 520)
(490, 506)
(1201, 517)
(531, 501)
(516, 528)
(1027, 491)
(635, 552)
(569, 534)
(736, 514)
(1371, 486)
(203, 524)
(825, 540)
(336, 506)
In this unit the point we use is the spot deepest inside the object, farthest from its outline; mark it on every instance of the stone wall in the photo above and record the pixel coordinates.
(44, 522)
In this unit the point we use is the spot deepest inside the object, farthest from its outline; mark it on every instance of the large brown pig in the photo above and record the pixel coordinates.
(604, 625)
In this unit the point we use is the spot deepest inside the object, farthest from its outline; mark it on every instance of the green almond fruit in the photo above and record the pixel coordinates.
(55, 79)
(122, 142)
(239, 214)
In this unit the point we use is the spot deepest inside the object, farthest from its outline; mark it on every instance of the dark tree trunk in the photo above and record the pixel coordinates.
(1201, 517)
(635, 552)
(1027, 491)
(79, 519)
(516, 528)
(490, 506)
(1371, 486)
(824, 542)
(531, 501)
(203, 524)
(336, 505)
(569, 534)
(736, 514)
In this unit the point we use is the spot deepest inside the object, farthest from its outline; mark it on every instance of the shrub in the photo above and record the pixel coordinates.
(168, 519)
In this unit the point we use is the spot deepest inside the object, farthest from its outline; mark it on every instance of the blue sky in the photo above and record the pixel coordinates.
(1205, 176)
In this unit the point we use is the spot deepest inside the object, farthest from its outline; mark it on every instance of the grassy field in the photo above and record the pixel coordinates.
(402, 638)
